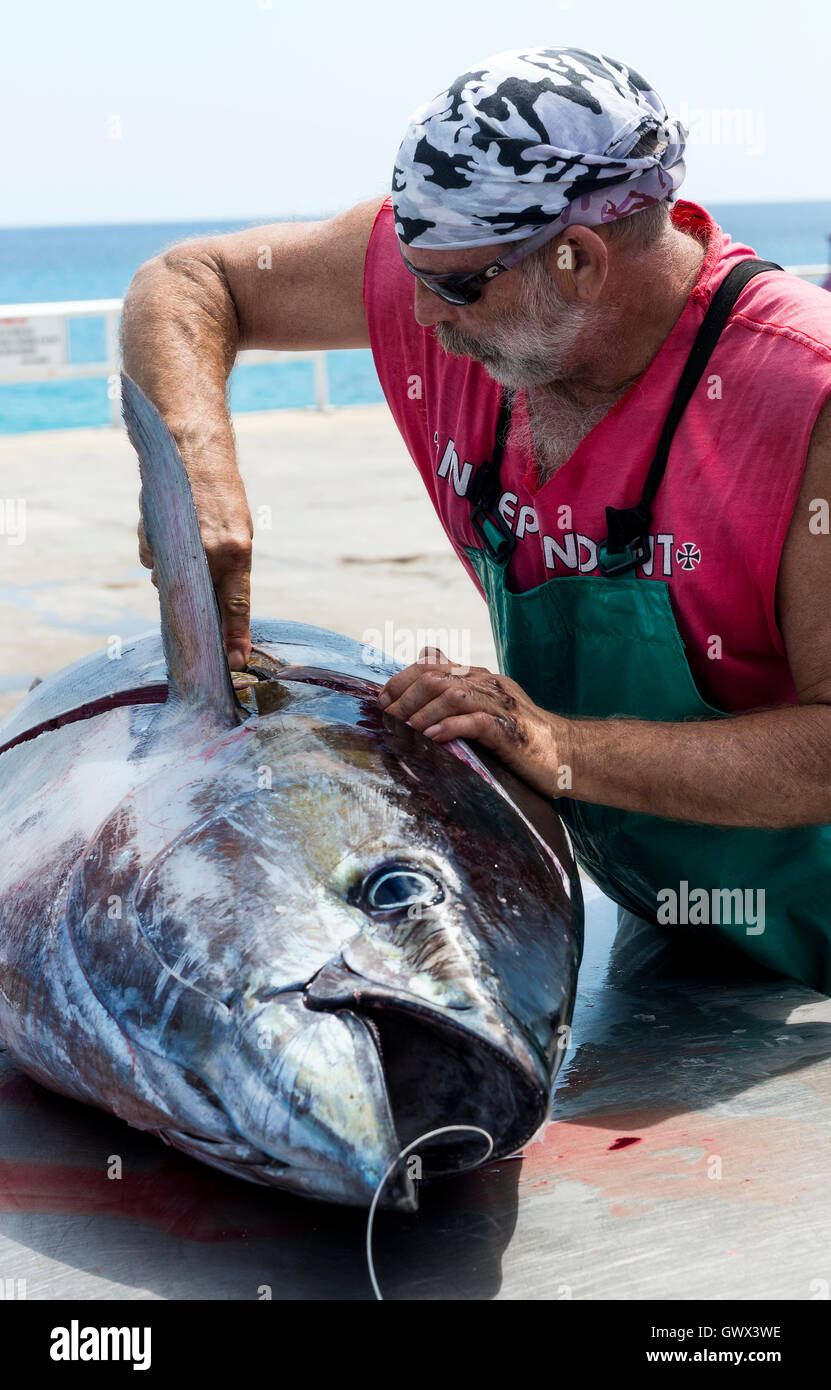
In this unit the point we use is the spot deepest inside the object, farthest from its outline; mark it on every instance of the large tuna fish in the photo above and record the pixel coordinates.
(288, 937)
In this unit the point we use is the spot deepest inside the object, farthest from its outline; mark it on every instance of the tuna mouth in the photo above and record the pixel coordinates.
(440, 1074)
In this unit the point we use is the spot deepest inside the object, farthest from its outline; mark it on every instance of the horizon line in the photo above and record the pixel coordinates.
(323, 216)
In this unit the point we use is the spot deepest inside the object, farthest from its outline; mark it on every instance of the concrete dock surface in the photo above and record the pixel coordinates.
(345, 537)
(690, 1147)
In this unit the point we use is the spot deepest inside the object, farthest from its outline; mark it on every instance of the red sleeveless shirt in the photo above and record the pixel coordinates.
(722, 512)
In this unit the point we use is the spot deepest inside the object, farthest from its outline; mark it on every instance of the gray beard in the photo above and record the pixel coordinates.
(533, 347)
(553, 423)
(553, 426)
(520, 349)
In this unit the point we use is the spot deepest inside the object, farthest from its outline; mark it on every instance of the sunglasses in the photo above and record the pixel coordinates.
(466, 289)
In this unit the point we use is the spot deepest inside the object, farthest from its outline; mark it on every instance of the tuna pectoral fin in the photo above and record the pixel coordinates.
(197, 668)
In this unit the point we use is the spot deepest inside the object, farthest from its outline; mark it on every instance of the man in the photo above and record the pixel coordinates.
(656, 566)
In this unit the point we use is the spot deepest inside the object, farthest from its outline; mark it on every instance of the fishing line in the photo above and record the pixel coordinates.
(431, 1134)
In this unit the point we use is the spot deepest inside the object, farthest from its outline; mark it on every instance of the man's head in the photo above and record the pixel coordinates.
(516, 165)
(558, 311)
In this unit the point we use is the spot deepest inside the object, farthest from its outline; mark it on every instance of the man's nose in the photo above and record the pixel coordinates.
(430, 308)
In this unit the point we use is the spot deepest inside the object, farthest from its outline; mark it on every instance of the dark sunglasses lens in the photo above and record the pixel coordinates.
(455, 294)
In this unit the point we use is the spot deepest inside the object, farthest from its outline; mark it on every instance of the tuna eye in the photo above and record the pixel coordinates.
(395, 887)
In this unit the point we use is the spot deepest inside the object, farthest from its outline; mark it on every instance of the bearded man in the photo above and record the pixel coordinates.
(622, 419)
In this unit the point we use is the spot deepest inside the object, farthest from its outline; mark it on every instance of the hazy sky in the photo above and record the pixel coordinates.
(253, 109)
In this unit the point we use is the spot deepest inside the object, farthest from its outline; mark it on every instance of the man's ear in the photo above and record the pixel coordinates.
(579, 262)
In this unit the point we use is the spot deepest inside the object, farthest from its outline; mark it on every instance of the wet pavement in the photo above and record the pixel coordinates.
(689, 1152)
(688, 1158)
(368, 559)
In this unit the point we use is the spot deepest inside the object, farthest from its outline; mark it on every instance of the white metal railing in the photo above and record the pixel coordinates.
(809, 272)
(34, 344)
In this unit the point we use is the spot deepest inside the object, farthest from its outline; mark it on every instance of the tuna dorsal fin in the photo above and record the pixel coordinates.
(197, 667)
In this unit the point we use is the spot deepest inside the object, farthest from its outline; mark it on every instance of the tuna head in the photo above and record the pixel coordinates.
(334, 937)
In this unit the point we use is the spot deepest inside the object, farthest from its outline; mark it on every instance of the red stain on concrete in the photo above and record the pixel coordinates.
(665, 1156)
(181, 1199)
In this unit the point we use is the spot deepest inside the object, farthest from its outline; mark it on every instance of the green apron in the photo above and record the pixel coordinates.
(608, 645)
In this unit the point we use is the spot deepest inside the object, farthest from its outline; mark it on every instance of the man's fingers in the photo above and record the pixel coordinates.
(145, 556)
(448, 700)
(412, 689)
(434, 656)
(233, 591)
(438, 694)
(397, 684)
(403, 680)
(480, 725)
(226, 534)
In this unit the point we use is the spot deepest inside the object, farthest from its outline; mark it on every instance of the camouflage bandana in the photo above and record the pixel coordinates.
(531, 138)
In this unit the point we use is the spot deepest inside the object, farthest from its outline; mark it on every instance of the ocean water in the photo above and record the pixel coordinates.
(59, 263)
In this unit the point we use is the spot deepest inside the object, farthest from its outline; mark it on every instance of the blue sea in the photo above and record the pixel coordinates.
(60, 263)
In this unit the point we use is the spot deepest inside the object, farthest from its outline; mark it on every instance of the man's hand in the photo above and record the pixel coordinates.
(225, 522)
(445, 701)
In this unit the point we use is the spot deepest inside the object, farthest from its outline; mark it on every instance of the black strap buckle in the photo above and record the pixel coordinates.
(627, 543)
(483, 493)
(484, 489)
(619, 562)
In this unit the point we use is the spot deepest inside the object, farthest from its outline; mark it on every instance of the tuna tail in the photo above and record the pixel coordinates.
(197, 667)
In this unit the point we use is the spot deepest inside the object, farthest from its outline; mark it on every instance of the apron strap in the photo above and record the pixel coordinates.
(484, 489)
(627, 542)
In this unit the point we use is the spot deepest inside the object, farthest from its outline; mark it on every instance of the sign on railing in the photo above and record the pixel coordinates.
(31, 342)
(34, 346)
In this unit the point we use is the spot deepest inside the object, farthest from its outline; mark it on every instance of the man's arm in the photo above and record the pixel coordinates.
(771, 768)
(189, 311)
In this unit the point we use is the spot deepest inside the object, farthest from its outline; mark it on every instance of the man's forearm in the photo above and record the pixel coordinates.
(180, 334)
(771, 768)
(179, 341)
